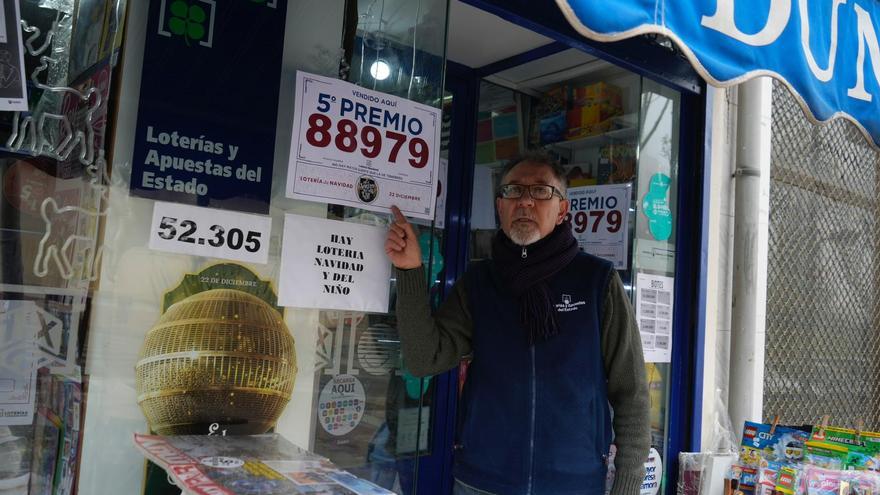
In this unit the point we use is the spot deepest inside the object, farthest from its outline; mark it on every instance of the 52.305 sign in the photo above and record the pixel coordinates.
(362, 148)
(208, 232)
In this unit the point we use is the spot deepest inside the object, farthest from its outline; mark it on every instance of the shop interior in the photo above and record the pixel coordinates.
(607, 126)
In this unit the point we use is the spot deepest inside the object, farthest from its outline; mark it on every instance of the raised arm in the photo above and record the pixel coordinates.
(430, 344)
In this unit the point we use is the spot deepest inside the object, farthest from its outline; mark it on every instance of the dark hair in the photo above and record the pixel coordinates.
(540, 157)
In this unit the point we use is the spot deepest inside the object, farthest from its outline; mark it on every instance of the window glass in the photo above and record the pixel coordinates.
(654, 243)
(77, 266)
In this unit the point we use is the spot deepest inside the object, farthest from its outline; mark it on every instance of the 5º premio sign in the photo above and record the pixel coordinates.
(362, 148)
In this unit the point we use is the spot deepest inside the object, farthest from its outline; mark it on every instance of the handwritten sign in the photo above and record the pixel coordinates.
(356, 147)
(330, 264)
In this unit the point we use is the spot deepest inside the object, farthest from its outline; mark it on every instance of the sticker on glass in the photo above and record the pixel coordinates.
(341, 405)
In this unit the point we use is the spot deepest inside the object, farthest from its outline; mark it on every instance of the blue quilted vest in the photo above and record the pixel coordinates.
(536, 420)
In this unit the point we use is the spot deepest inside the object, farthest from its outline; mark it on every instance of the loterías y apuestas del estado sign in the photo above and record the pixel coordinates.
(827, 51)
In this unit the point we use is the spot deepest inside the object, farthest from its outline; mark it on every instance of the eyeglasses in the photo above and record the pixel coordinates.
(536, 191)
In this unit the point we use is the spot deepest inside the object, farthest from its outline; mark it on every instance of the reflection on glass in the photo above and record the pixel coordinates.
(352, 399)
(397, 48)
(658, 180)
(654, 244)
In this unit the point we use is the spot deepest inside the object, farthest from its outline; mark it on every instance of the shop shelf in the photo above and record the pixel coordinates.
(596, 140)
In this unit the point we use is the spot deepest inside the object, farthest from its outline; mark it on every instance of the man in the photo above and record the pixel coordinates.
(553, 340)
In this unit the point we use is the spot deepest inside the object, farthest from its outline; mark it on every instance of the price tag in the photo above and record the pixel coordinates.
(654, 311)
(599, 216)
(186, 229)
(362, 148)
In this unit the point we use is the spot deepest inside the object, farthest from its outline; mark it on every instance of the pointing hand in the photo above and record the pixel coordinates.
(402, 243)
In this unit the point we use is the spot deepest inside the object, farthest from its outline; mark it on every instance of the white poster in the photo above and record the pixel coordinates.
(3, 37)
(58, 313)
(599, 216)
(330, 264)
(357, 147)
(440, 208)
(654, 305)
(483, 199)
(413, 425)
(653, 474)
(19, 325)
(188, 229)
(13, 89)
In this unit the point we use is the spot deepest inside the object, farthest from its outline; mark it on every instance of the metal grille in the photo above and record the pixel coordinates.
(823, 295)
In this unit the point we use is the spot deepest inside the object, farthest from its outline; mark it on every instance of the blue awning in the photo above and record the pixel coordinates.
(826, 51)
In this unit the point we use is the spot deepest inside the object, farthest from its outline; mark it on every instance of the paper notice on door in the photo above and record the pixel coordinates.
(654, 303)
(329, 264)
(18, 362)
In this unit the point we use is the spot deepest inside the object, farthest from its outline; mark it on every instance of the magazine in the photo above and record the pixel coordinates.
(248, 465)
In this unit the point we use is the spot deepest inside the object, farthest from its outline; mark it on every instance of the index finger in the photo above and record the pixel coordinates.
(398, 215)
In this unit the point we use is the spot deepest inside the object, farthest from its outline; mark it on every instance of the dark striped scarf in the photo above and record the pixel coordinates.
(527, 277)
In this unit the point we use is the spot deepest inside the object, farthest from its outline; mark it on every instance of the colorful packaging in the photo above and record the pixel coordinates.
(748, 479)
(841, 448)
(819, 481)
(759, 446)
(787, 480)
(826, 455)
(554, 100)
(767, 476)
(862, 461)
(592, 108)
(862, 482)
(587, 121)
(617, 163)
(553, 128)
(599, 93)
(846, 437)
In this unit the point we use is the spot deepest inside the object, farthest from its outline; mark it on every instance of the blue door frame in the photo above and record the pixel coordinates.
(434, 471)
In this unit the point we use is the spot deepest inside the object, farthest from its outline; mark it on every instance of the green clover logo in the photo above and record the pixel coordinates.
(187, 21)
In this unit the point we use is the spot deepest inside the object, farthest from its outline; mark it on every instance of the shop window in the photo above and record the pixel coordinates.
(78, 269)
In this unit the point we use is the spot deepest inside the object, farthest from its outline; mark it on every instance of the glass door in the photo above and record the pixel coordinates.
(616, 134)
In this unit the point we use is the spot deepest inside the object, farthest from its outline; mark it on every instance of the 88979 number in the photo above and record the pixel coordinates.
(349, 139)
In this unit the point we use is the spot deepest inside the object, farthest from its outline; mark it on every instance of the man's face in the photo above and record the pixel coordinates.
(526, 220)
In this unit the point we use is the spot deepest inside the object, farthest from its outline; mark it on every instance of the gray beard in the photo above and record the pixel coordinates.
(524, 237)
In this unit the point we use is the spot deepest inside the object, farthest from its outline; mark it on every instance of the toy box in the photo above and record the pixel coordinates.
(553, 128)
(593, 107)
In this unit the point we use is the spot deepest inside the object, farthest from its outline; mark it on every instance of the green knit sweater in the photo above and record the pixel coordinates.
(434, 344)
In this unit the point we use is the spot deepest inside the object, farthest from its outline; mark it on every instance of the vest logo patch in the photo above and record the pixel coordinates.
(567, 305)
